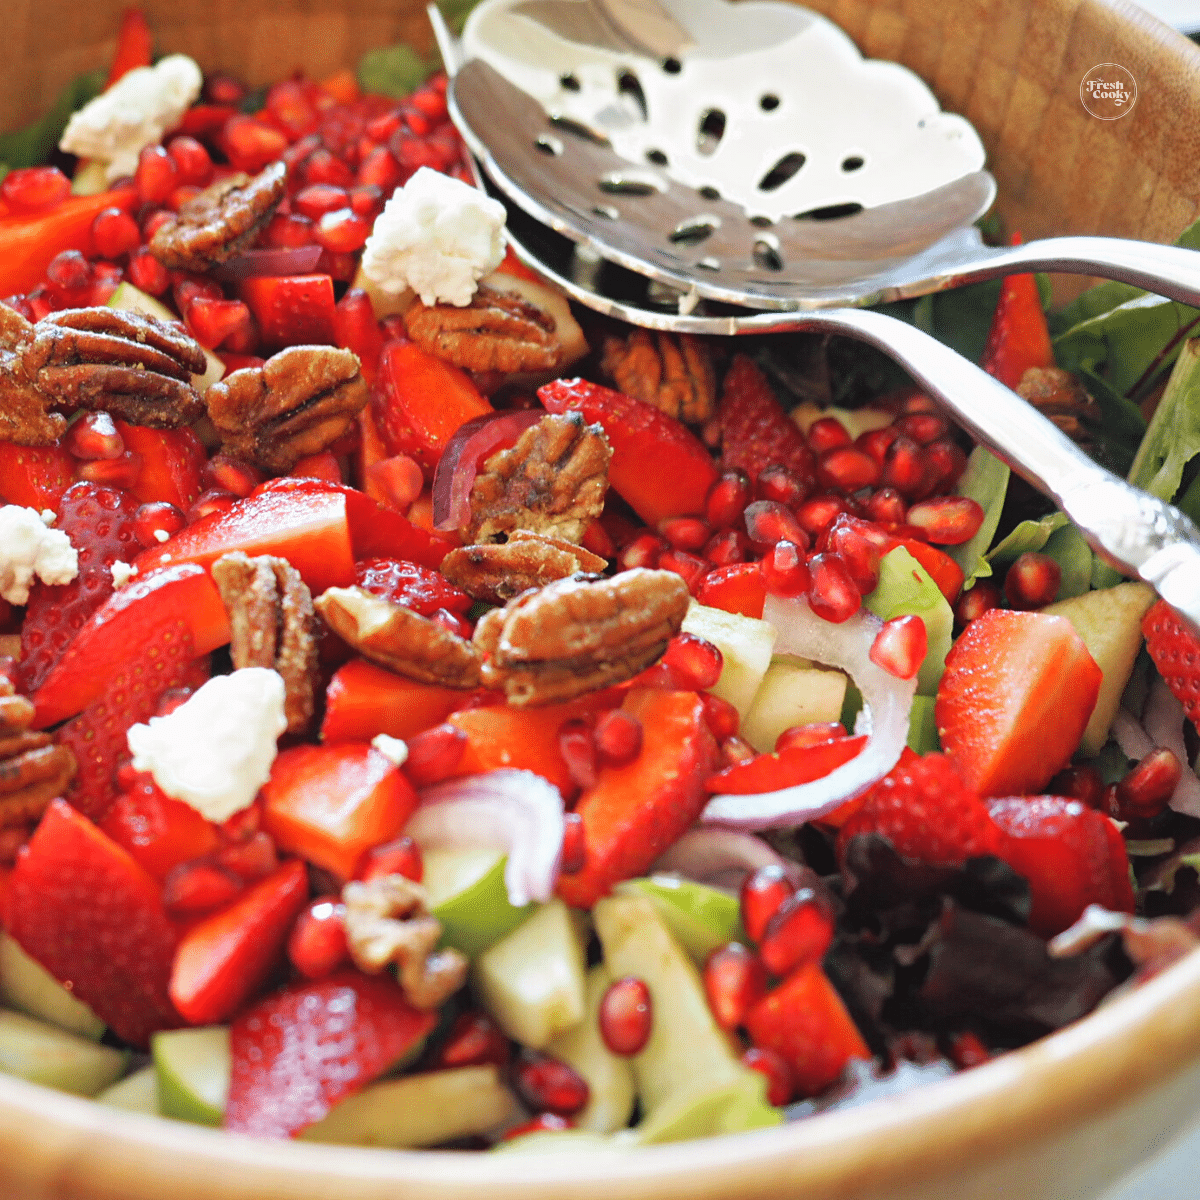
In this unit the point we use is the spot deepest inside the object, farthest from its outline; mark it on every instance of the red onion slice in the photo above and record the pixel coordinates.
(721, 858)
(269, 260)
(515, 811)
(1134, 741)
(1163, 721)
(456, 469)
(887, 705)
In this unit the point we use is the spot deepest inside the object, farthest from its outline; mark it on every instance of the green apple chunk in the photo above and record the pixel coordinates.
(193, 1073)
(532, 980)
(1110, 623)
(609, 1076)
(791, 695)
(29, 988)
(418, 1110)
(135, 1093)
(733, 1109)
(700, 918)
(466, 892)
(745, 644)
(132, 299)
(44, 1054)
(922, 726)
(905, 589)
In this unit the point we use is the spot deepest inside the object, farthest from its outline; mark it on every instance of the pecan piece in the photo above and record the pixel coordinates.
(399, 639)
(580, 634)
(498, 571)
(272, 624)
(32, 769)
(1057, 394)
(221, 221)
(552, 481)
(497, 331)
(674, 372)
(386, 921)
(298, 403)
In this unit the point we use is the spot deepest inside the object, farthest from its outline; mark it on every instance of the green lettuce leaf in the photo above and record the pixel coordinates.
(1026, 537)
(1173, 438)
(985, 481)
(36, 142)
(394, 71)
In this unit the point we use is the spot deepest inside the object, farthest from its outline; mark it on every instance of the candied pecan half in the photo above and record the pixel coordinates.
(272, 624)
(552, 481)
(580, 634)
(497, 331)
(387, 921)
(498, 571)
(221, 221)
(399, 639)
(298, 403)
(137, 367)
(674, 372)
(1057, 394)
(32, 769)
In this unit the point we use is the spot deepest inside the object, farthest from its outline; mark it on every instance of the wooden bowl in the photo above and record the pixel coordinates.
(1061, 1118)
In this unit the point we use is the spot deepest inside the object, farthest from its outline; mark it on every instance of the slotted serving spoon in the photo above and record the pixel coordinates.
(1134, 531)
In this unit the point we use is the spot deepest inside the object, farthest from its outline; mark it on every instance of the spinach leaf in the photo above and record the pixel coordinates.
(1173, 438)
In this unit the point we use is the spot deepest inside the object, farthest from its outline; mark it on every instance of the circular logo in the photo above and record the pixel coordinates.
(1108, 91)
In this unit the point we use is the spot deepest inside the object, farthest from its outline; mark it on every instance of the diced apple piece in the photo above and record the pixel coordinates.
(135, 1093)
(465, 890)
(701, 918)
(40, 1053)
(28, 987)
(791, 695)
(1110, 623)
(193, 1073)
(744, 642)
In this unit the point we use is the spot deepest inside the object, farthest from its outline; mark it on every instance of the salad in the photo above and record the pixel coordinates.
(436, 717)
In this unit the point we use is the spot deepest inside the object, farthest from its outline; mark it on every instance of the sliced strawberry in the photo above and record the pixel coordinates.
(1015, 699)
(658, 465)
(363, 700)
(1019, 337)
(416, 587)
(786, 768)
(323, 466)
(298, 1052)
(291, 310)
(171, 463)
(755, 430)
(1176, 653)
(100, 523)
(225, 958)
(34, 476)
(1072, 856)
(97, 736)
(92, 917)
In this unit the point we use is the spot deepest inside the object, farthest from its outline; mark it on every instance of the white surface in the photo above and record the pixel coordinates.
(1174, 1175)
(1183, 14)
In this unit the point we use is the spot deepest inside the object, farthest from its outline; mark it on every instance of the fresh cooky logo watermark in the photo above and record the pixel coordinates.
(1108, 91)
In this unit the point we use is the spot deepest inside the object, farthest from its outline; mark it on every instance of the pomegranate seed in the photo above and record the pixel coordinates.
(832, 594)
(947, 520)
(380, 128)
(906, 469)
(290, 109)
(548, 1084)
(473, 1040)
(1144, 792)
(643, 551)
(721, 717)
(784, 570)
(968, 1050)
(318, 199)
(734, 750)
(115, 232)
(860, 548)
(193, 165)
(35, 189)
(252, 859)
(875, 442)
(224, 89)
(323, 167)
(817, 513)
(918, 402)
(768, 522)
(189, 288)
(94, 436)
(694, 662)
(402, 856)
(729, 546)
(38, 303)
(396, 481)
(367, 200)
(19, 304)
(922, 427)
(250, 144)
(900, 646)
(762, 894)
(816, 733)
(618, 737)
(799, 932)
(574, 845)
(1032, 581)
(288, 230)
(727, 499)
(947, 460)
(626, 1016)
(689, 567)
(782, 485)
(546, 1122)
(146, 273)
(242, 826)
(886, 506)
(827, 433)
(69, 269)
(847, 468)
(120, 472)
(215, 322)
(381, 170)
(199, 887)
(1081, 783)
(781, 1084)
(983, 597)
(735, 980)
(155, 522)
(215, 500)
(685, 533)
(156, 176)
(316, 946)
(578, 750)
(434, 754)
(230, 474)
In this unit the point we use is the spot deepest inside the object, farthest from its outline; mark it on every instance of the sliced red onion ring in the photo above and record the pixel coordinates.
(1163, 721)
(1134, 741)
(269, 260)
(460, 460)
(721, 858)
(887, 705)
(515, 811)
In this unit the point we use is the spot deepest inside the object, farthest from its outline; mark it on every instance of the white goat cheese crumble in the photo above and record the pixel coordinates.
(392, 748)
(122, 573)
(216, 749)
(437, 235)
(132, 114)
(29, 548)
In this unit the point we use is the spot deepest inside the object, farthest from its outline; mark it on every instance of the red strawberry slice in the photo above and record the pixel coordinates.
(100, 523)
(755, 430)
(1072, 856)
(785, 768)
(1019, 337)
(171, 463)
(1176, 653)
(416, 587)
(298, 1052)
(928, 814)
(93, 918)
(34, 476)
(97, 736)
